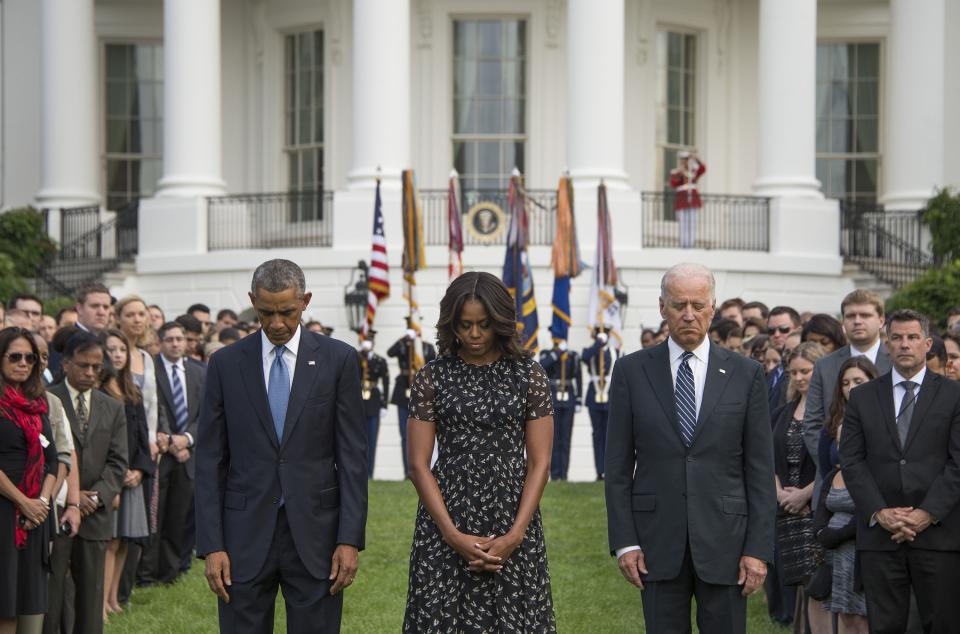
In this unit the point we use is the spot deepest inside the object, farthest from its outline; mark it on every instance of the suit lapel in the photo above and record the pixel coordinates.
(885, 385)
(883, 360)
(63, 393)
(719, 371)
(194, 390)
(928, 394)
(658, 374)
(304, 375)
(252, 374)
(163, 386)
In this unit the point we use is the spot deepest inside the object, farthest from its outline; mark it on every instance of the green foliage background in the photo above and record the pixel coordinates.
(942, 215)
(933, 294)
(24, 245)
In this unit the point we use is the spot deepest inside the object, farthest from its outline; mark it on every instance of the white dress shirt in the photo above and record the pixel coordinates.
(698, 365)
(267, 349)
(177, 366)
(74, 393)
(899, 391)
(870, 353)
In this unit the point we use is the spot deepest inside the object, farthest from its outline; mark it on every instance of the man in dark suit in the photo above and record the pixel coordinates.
(900, 456)
(403, 350)
(689, 475)
(99, 427)
(179, 397)
(281, 466)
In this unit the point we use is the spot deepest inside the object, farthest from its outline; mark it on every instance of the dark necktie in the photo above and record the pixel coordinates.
(686, 400)
(82, 414)
(906, 410)
(278, 391)
(179, 401)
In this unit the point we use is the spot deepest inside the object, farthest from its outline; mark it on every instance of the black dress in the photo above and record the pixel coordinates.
(23, 573)
(480, 414)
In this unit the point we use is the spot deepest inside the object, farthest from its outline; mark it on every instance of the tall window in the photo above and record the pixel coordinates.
(848, 120)
(676, 97)
(304, 120)
(489, 99)
(134, 121)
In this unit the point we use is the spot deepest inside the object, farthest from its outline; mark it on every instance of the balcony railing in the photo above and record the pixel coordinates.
(890, 245)
(267, 221)
(737, 223)
(541, 214)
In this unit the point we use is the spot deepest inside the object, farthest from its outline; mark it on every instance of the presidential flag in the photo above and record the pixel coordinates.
(413, 259)
(517, 275)
(604, 310)
(455, 265)
(378, 277)
(565, 259)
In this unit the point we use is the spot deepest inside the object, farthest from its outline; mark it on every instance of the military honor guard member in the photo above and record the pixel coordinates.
(599, 360)
(402, 351)
(374, 390)
(566, 387)
(686, 203)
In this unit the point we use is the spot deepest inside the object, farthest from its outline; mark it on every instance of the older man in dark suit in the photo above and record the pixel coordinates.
(281, 467)
(900, 456)
(689, 468)
(99, 428)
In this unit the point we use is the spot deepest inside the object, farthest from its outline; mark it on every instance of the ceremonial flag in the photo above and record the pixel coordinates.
(517, 275)
(413, 259)
(604, 308)
(378, 277)
(455, 267)
(565, 259)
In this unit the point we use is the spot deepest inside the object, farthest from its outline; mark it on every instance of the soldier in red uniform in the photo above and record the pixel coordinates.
(684, 179)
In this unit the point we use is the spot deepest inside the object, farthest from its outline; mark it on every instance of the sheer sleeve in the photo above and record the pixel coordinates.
(421, 395)
(539, 400)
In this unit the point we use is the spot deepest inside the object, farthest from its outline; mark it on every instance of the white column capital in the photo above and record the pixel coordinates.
(191, 127)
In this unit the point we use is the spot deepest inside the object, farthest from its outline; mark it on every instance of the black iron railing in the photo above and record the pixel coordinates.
(267, 221)
(737, 223)
(541, 215)
(891, 245)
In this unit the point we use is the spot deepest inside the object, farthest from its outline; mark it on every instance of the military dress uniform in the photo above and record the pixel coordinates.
(401, 351)
(566, 388)
(373, 375)
(687, 200)
(599, 361)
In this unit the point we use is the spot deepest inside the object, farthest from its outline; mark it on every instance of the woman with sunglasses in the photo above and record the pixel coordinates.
(28, 463)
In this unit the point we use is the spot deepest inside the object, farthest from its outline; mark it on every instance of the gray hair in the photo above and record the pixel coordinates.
(687, 270)
(275, 276)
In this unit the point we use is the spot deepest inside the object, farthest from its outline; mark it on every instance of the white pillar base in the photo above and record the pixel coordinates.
(172, 226)
(190, 186)
(788, 187)
(66, 198)
(805, 227)
(906, 200)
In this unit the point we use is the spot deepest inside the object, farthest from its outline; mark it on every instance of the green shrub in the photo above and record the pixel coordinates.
(24, 245)
(933, 293)
(942, 215)
(53, 305)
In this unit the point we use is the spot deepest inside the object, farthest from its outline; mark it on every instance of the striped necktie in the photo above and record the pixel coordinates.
(179, 400)
(686, 396)
(906, 410)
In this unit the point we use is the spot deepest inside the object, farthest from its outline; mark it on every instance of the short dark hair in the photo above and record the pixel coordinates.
(203, 308)
(839, 404)
(33, 386)
(226, 312)
(785, 310)
(764, 311)
(28, 296)
(278, 275)
(937, 351)
(170, 325)
(823, 324)
(190, 324)
(489, 291)
(733, 301)
(61, 337)
(229, 333)
(91, 289)
(726, 328)
(80, 342)
(68, 309)
(905, 315)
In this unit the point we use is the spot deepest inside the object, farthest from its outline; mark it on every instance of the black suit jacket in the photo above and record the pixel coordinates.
(719, 494)
(166, 420)
(925, 473)
(319, 467)
(102, 454)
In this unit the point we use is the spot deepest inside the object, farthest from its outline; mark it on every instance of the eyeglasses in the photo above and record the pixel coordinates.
(17, 357)
(784, 329)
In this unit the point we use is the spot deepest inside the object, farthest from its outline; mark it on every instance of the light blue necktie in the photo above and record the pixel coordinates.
(278, 391)
(686, 400)
(179, 401)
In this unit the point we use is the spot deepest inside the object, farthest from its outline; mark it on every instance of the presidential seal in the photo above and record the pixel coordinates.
(486, 222)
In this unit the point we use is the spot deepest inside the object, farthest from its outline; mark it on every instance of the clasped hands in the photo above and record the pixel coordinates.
(484, 553)
(794, 500)
(904, 522)
(33, 512)
(175, 445)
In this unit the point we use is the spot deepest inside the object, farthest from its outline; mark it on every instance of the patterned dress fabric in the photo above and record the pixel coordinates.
(844, 600)
(480, 413)
(799, 552)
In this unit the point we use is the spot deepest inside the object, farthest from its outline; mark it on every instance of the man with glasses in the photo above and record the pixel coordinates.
(99, 428)
(32, 307)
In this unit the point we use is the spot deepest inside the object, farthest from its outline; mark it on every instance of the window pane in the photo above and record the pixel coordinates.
(488, 36)
(674, 88)
(673, 126)
(675, 50)
(868, 99)
(866, 140)
(823, 135)
(868, 61)
(143, 61)
(117, 97)
(116, 135)
(118, 62)
(488, 155)
(513, 116)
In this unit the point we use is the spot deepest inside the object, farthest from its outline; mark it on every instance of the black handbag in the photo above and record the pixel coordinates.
(820, 585)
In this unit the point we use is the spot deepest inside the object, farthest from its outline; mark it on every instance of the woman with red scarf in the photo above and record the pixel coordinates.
(28, 462)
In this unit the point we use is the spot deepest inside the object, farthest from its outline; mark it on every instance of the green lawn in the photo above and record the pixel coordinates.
(588, 592)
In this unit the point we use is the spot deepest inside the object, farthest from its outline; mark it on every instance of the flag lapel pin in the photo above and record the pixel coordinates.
(311, 363)
(722, 371)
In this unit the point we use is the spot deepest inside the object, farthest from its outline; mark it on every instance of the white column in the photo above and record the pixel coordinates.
(787, 78)
(381, 92)
(913, 124)
(595, 92)
(69, 167)
(191, 101)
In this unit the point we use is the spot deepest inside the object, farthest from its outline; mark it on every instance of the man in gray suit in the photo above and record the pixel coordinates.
(862, 312)
(689, 468)
(99, 428)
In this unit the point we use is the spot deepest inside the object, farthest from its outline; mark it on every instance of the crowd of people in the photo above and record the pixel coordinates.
(100, 418)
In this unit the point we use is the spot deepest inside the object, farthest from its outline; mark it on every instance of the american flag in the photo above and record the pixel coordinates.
(379, 276)
(455, 267)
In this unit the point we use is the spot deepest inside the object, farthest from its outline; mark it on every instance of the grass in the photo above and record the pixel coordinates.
(588, 592)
